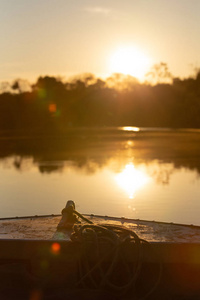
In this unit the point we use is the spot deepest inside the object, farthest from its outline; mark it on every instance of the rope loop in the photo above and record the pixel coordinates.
(104, 262)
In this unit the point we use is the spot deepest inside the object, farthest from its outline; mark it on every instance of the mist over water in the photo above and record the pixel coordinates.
(133, 172)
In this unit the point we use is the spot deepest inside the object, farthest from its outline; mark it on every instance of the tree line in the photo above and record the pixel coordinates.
(51, 105)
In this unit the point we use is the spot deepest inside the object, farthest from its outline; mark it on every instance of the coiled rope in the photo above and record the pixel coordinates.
(110, 268)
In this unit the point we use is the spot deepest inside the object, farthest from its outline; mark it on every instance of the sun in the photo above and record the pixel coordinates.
(129, 61)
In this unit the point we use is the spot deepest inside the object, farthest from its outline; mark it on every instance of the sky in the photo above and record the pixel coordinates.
(69, 37)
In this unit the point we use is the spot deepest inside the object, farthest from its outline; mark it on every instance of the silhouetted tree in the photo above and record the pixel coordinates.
(52, 106)
(159, 73)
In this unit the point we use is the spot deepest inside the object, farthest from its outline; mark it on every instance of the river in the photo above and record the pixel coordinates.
(141, 173)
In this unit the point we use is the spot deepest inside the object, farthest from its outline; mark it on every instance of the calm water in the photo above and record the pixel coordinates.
(131, 172)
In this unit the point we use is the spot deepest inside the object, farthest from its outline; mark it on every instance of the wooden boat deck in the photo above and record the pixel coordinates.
(37, 261)
(44, 227)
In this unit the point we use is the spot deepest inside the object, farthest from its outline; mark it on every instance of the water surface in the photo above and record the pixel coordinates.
(132, 172)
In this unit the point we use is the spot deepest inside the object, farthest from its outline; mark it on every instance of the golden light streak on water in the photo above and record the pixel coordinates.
(131, 128)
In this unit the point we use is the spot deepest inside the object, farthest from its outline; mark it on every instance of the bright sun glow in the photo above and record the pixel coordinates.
(130, 61)
(131, 179)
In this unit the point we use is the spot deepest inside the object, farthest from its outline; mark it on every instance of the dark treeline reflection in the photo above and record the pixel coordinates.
(90, 150)
(50, 106)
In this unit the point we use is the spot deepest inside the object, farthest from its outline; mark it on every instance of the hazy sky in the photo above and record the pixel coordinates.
(69, 37)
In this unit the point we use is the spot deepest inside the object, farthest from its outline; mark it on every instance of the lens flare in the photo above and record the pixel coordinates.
(52, 107)
(55, 248)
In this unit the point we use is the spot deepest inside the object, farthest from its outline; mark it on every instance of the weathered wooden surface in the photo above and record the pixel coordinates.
(45, 227)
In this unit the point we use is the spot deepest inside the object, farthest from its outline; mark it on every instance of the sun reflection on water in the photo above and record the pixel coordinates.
(131, 128)
(131, 179)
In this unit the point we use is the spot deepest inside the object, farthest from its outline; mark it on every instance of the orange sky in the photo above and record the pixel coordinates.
(63, 37)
